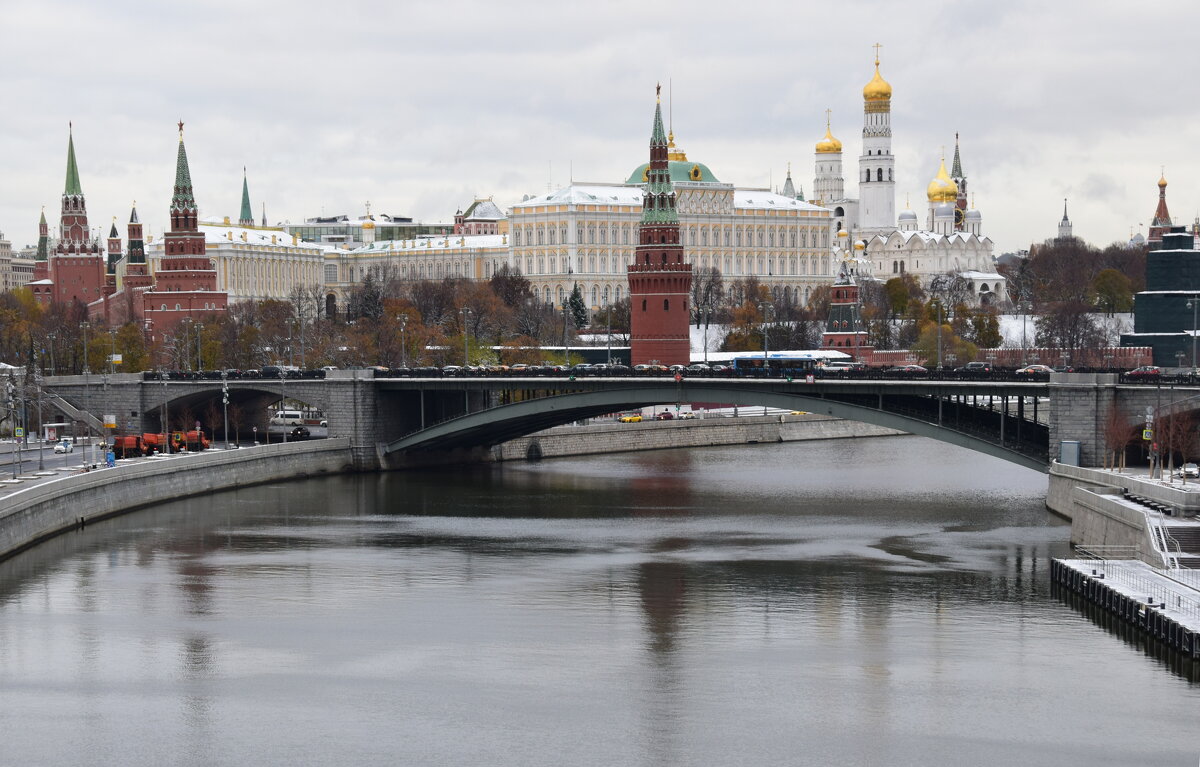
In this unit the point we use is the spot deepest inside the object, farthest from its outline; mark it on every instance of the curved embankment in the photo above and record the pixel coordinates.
(53, 507)
(613, 437)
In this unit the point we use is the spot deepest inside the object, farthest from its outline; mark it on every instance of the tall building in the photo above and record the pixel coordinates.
(185, 282)
(74, 270)
(1064, 226)
(1161, 223)
(876, 164)
(844, 330)
(1163, 315)
(960, 181)
(660, 281)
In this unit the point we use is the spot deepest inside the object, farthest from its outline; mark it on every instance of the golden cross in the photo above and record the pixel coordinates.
(828, 118)
(877, 46)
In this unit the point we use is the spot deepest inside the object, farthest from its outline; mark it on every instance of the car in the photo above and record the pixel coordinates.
(1145, 371)
(687, 415)
(64, 446)
(975, 369)
(665, 415)
(630, 418)
(1034, 371)
(799, 412)
(300, 432)
(907, 371)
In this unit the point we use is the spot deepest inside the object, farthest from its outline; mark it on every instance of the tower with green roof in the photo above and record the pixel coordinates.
(74, 269)
(246, 217)
(660, 281)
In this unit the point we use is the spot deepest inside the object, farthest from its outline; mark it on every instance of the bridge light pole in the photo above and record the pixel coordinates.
(225, 403)
(764, 307)
(1194, 304)
(37, 379)
(705, 316)
(87, 396)
(403, 347)
(199, 347)
(1025, 307)
(465, 312)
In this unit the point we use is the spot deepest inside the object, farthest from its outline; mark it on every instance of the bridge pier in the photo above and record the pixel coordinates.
(1079, 405)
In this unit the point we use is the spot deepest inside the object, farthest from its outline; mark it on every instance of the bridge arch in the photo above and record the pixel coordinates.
(506, 422)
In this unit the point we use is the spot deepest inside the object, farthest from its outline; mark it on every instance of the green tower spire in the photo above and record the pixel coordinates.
(658, 135)
(43, 246)
(246, 218)
(72, 186)
(956, 171)
(182, 199)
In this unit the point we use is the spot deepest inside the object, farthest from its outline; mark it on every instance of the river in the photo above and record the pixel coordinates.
(876, 601)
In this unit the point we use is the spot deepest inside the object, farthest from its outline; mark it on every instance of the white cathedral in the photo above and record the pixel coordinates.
(950, 240)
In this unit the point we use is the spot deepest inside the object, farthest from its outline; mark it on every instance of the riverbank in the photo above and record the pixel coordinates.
(46, 509)
(611, 437)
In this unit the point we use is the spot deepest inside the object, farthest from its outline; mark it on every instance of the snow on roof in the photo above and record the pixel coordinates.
(768, 200)
(483, 209)
(418, 245)
(41, 282)
(973, 275)
(216, 231)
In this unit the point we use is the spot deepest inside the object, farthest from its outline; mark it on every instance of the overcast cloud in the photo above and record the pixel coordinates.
(419, 107)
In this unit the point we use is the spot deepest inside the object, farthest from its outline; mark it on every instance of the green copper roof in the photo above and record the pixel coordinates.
(247, 214)
(183, 181)
(681, 170)
(956, 171)
(72, 186)
(43, 219)
(658, 135)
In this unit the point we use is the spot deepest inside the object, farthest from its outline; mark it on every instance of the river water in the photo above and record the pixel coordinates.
(875, 602)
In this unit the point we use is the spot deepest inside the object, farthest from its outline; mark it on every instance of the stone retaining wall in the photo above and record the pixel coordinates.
(657, 435)
(50, 508)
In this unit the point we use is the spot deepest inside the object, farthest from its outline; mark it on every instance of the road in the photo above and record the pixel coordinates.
(28, 457)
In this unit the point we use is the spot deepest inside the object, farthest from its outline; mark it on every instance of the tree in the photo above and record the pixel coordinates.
(511, 286)
(1069, 326)
(1111, 292)
(579, 310)
(1117, 433)
(708, 292)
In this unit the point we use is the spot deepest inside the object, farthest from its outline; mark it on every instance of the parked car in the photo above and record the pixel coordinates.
(1145, 371)
(908, 370)
(687, 415)
(64, 445)
(630, 418)
(665, 415)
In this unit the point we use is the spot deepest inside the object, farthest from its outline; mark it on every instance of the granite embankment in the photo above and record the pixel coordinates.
(49, 508)
(610, 437)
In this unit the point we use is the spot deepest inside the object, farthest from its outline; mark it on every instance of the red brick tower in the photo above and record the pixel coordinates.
(1161, 223)
(660, 283)
(136, 273)
(76, 266)
(845, 330)
(185, 284)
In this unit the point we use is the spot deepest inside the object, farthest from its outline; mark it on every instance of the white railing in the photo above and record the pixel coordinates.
(1109, 561)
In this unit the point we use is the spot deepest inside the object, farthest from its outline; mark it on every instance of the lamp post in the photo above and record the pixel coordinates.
(608, 330)
(52, 338)
(166, 440)
(465, 312)
(1194, 304)
(403, 345)
(939, 335)
(1024, 306)
(705, 316)
(225, 403)
(37, 379)
(186, 322)
(87, 395)
(566, 353)
(199, 348)
(765, 308)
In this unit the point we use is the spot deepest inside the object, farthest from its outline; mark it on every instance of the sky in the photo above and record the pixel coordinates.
(419, 107)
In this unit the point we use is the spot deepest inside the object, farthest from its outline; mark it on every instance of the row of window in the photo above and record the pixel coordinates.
(768, 237)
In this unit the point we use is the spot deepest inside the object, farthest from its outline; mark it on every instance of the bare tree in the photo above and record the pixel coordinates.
(1117, 433)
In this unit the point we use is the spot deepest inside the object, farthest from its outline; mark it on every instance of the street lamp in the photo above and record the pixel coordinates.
(87, 395)
(1025, 307)
(403, 346)
(939, 335)
(1194, 304)
(186, 322)
(465, 312)
(199, 348)
(52, 338)
(705, 316)
(765, 308)
(37, 379)
(225, 403)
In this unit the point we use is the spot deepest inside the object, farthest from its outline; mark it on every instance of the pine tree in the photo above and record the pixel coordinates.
(579, 312)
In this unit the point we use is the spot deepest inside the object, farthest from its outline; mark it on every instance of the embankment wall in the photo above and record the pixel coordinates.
(53, 507)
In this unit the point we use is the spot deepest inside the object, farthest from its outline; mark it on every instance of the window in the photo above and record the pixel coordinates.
(643, 304)
(878, 174)
(666, 304)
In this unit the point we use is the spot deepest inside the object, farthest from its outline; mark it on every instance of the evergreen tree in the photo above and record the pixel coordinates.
(579, 312)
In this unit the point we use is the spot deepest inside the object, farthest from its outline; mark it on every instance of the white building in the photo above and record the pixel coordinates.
(949, 240)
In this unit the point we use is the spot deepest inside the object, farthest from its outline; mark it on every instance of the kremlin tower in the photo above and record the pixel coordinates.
(74, 271)
(185, 284)
(828, 184)
(956, 174)
(845, 330)
(660, 282)
(1162, 218)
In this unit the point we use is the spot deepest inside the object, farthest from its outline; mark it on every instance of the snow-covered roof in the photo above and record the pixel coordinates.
(216, 232)
(435, 243)
(40, 282)
(768, 200)
(606, 194)
(483, 209)
(973, 275)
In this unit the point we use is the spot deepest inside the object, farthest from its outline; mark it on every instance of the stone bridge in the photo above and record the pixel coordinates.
(399, 421)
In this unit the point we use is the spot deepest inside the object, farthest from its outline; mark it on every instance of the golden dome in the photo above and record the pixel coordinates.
(942, 188)
(860, 245)
(1162, 182)
(368, 224)
(673, 153)
(843, 233)
(878, 89)
(828, 145)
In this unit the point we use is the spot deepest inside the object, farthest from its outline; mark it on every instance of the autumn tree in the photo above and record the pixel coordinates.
(1111, 292)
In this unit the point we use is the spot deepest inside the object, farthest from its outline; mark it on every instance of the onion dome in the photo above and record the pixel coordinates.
(368, 224)
(942, 188)
(1162, 182)
(860, 245)
(973, 215)
(828, 145)
(843, 233)
(878, 89)
(908, 216)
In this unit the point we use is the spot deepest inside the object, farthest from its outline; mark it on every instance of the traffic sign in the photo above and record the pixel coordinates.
(19, 432)
(1147, 434)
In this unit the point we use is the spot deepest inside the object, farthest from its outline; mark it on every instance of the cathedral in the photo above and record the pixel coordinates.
(880, 244)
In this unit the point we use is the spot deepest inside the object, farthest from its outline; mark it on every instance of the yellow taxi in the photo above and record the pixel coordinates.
(630, 418)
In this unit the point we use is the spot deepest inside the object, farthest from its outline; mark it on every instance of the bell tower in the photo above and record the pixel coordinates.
(660, 282)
